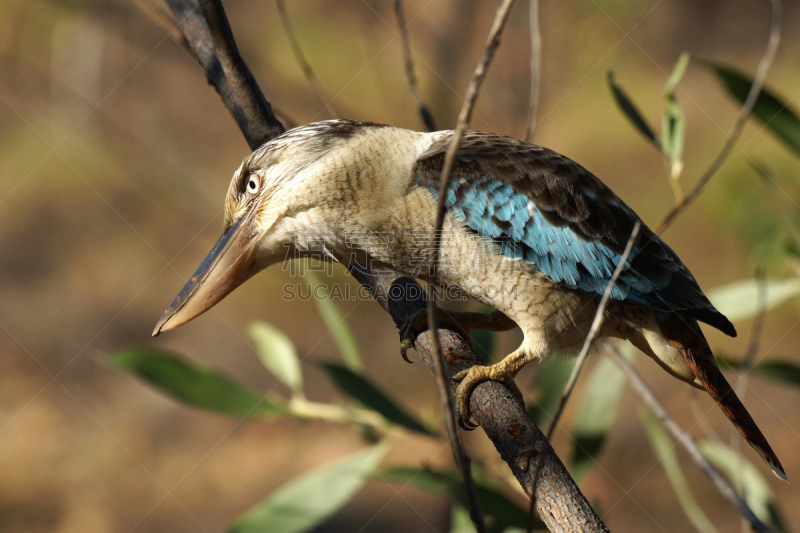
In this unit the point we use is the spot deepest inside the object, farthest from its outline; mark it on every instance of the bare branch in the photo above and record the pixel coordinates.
(438, 360)
(723, 485)
(301, 60)
(744, 114)
(536, 69)
(594, 331)
(243, 85)
(424, 112)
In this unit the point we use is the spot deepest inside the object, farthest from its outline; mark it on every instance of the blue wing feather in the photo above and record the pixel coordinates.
(542, 207)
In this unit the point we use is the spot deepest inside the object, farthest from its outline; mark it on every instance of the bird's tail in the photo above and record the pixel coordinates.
(687, 338)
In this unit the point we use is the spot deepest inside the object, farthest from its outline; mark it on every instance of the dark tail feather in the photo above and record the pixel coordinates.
(689, 341)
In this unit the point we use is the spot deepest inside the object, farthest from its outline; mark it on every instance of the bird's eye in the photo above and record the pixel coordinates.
(253, 184)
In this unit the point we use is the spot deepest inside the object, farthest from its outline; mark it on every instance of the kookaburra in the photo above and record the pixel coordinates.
(527, 231)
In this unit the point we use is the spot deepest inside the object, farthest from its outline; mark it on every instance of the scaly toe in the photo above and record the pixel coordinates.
(461, 375)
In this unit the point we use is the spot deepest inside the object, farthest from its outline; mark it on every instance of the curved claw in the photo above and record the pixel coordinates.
(463, 393)
(466, 425)
(404, 346)
(410, 330)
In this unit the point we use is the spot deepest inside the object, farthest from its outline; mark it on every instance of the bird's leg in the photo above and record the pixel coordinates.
(461, 321)
(504, 372)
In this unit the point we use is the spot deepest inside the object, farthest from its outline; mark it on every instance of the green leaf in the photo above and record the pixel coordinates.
(784, 371)
(358, 388)
(337, 326)
(768, 109)
(673, 131)
(194, 385)
(278, 354)
(493, 502)
(551, 377)
(748, 480)
(460, 521)
(306, 502)
(665, 452)
(673, 125)
(597, 412)
(740, 300)
(677, 73)
(631, 112)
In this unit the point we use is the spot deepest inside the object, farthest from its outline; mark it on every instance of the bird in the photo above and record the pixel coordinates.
(527, 231)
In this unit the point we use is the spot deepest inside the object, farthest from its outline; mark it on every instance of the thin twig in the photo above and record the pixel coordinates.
(594, 330)
(744, 114)
(463, 120)
(597, 323)
(316, 88)
(536, 69)
(744, 373)
(723, 485)
(424, 112)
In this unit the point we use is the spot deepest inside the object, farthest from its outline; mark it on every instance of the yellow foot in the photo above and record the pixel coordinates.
(503, 371)
(471, 378)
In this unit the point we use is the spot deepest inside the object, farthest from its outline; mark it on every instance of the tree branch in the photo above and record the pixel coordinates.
(464, 116)
(560, 503)
(723, 485)
(301, 60)
(744, 114)
(424, 112)
(594, 331)
(536, 69)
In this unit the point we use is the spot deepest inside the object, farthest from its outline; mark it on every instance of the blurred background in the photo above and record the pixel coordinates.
(115, 155)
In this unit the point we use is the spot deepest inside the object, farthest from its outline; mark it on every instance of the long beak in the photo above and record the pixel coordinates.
(227, 265)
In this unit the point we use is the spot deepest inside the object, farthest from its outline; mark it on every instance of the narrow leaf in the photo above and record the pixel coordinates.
(598, 412)
(631, 112)
(784, 371)
(337, 326)
(460, 521)
(769, 109)
(278, 354)
(493, 502)
(747, 478)
(677, 73)
(673, 125)
(306, 502)
(673, 131)
(194, 385)
(740, 301)
(665, 452)
(359, 388)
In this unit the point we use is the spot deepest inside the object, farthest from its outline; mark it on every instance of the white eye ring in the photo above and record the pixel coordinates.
(253, 185)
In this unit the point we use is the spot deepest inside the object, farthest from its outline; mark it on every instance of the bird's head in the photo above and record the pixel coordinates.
(269, 187)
